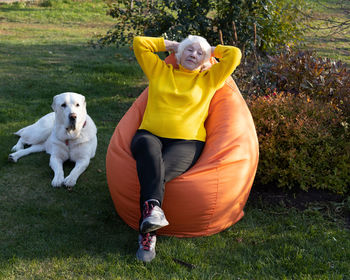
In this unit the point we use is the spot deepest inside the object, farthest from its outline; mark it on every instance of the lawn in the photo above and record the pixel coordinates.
(48, 233)
(327, 42)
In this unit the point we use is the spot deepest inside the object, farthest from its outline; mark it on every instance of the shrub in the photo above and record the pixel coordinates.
(304, 143)
(301, 72)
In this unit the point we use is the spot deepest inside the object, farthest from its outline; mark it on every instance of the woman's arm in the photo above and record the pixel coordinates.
(144, 49)
(207, 65)
(230, 58)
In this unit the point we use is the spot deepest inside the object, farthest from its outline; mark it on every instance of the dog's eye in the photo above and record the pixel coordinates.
(64, 105)
(77, 105)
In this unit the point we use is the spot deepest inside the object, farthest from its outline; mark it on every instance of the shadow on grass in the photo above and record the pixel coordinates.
(44, 70)
(39, 222)
(338, 48)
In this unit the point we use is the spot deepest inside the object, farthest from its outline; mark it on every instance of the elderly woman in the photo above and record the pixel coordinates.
(172, 135)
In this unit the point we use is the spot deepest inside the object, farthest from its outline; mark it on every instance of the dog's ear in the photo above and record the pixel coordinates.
(84, 101)
(54, 103)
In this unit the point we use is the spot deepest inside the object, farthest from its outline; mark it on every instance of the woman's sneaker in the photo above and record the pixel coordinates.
(153, 218)
(147, 247)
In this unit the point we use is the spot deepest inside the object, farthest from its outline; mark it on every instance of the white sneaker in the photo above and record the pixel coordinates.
(147, 247)
(153, 218)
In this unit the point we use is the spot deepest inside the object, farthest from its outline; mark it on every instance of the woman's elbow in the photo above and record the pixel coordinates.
(237, 56)
(136, 41)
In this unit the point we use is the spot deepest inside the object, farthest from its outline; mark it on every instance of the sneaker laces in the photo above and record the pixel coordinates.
(146, 241)
(147, 209)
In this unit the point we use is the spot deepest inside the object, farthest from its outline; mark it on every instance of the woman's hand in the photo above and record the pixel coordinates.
(171, 45)
(207, 65)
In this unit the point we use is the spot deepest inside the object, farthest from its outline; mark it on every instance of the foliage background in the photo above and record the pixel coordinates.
(250, 24)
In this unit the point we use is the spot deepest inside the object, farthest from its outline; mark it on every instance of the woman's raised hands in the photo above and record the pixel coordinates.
(171, 46)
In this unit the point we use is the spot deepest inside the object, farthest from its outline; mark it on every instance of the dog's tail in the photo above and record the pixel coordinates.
(19, 132)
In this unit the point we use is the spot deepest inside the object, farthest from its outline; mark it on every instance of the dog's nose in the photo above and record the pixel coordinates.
(72, 116)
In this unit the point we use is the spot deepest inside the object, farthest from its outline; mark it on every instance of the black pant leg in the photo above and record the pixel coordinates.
(179, 156)
(147, 151)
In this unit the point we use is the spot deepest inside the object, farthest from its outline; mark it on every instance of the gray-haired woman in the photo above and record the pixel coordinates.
(172, 135)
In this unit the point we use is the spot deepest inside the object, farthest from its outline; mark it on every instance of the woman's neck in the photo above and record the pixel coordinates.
(181, 68)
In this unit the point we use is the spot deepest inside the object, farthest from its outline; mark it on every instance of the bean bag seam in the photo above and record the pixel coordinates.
(212, 210)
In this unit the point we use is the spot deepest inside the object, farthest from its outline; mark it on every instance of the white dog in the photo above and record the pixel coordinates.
(66, 133)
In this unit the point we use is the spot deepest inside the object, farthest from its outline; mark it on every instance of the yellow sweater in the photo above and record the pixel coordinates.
(179, 99)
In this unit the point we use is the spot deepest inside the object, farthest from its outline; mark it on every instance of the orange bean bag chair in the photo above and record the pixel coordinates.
(210, 196)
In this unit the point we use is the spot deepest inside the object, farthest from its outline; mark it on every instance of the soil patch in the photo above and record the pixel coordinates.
(299, 200)
(334, 204)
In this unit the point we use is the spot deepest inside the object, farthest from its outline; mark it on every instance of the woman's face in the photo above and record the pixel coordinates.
(192, 57)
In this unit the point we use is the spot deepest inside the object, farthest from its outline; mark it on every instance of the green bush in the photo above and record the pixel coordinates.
(260, 24)
(304, 143)
(303, 131)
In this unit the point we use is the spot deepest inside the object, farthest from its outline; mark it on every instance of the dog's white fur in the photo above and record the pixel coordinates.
(68, 133)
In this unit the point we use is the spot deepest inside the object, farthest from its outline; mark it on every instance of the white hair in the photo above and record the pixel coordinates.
(190, 40)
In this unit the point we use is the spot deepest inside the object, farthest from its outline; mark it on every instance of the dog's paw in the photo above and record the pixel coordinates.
(69, 181)
(16, 148)
(12, 158)
(57, 182)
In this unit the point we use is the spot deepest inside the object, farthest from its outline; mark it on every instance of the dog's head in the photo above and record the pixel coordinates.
(70, 109)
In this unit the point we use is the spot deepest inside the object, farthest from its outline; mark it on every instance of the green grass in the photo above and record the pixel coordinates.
(48, 233)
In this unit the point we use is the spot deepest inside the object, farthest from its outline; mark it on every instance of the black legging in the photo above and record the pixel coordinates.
(159, 160)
